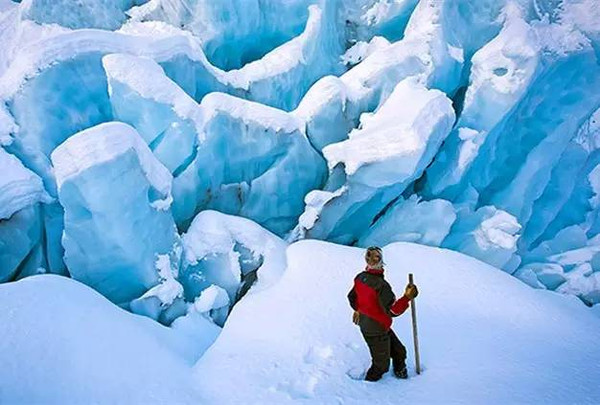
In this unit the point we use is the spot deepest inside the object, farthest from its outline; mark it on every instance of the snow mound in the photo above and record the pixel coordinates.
(485, 337)
(232, 253)
(61, 342)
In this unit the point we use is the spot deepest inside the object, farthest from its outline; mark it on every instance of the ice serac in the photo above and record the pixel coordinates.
(105, 14)
(282, 76)
(168, 120)
(231, 253)
(501, 74)
(21, 195)
(423, 52)
(116, 197)
(411, 220)
(256, 161)
(57, 86)
(382, 158)
(237, 156)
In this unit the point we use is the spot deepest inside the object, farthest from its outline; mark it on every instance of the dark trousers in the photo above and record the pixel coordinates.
(383, 348)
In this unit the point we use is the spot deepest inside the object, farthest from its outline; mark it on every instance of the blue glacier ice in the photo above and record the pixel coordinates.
(232, 33)
(411, 220)
(377, 162)
(21, 233)
(106, 174)
(226, 153)
(106, 14)
(488, 234)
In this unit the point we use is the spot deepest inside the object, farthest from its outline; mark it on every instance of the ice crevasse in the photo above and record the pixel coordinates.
(127, 137)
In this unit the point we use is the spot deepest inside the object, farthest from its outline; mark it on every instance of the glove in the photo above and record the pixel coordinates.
(411, 291)
(355, 317)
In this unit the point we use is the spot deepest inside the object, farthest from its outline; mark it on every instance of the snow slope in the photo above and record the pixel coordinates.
(61, 342)
(485, 337)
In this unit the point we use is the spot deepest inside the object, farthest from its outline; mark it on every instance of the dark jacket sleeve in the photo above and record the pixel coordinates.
(352, 298)
(386, 297)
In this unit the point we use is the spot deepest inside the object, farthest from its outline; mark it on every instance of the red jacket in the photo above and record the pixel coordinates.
(373, 298)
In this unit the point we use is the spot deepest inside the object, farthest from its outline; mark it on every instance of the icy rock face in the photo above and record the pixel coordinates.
(116, 197)
(105, 14)
(230, 253)
(388, 152)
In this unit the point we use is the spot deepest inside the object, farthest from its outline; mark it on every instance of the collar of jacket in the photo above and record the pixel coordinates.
(377, 272)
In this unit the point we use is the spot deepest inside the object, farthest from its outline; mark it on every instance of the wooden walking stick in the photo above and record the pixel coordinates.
(413, 311)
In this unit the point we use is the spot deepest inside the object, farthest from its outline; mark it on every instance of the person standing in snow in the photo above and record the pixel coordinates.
(374, 305)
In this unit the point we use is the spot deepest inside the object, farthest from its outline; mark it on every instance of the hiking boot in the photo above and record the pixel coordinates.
(401, 373)
(373, 374)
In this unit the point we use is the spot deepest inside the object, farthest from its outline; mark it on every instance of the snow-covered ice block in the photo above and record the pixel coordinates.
(56, 86)
(162, 113)
(116, 197)
(163, 302)
(388, 18)
(488, 234)
(378, 161)
(584, 283)
(282, 77)
(230, 252)
(423, 53)
(213, 302)
(542, 275)
(105, 14)
(359, 51)
(411, 220)
(323, 110)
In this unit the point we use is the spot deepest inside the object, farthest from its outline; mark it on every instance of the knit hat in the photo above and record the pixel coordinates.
(374, 257)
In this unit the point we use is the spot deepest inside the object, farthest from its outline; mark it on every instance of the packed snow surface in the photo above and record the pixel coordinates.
(62, 342)
(485, 337)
